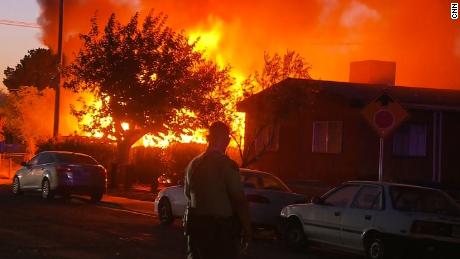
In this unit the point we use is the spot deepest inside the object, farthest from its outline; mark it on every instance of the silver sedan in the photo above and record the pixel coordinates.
(61, 172)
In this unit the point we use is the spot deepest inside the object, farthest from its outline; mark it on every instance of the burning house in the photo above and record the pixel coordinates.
(304, 129)
(235, 33)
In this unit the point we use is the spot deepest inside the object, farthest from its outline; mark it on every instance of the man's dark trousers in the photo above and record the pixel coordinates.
(211, 238)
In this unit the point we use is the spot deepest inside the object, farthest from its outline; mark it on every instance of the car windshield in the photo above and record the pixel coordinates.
(76, 159)
(273, 183)
(262, 181)
(415, 199)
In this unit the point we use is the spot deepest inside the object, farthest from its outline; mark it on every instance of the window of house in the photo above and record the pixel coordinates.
(327, 137)
(267, 138)
(410, 140)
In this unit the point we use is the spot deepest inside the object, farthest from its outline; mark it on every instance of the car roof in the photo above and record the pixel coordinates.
(63, 152)
(390, 184)
(252, 171)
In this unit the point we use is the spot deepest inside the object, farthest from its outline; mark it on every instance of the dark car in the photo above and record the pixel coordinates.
(61, 172)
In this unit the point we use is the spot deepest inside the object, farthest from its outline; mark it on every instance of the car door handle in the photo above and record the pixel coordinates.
(337, 213)
(368, 217)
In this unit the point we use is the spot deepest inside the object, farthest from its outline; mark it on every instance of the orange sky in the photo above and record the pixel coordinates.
(418, 35)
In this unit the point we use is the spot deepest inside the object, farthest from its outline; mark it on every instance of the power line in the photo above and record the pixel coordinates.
(19, 24)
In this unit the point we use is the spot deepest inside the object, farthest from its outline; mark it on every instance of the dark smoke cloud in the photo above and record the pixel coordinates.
(418, 35)
(77, 15)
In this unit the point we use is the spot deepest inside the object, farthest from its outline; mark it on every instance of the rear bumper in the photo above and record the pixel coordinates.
(78, 187)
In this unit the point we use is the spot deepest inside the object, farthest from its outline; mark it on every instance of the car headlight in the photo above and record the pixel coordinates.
(284, 212)
(157, 198)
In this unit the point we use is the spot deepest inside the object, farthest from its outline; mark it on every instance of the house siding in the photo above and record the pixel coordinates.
(450, 161)
(294, 160)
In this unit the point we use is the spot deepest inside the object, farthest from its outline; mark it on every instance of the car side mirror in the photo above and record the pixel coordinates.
(24, 164)
(316, 200)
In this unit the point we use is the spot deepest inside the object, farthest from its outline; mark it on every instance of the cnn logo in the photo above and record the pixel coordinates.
(454, 11)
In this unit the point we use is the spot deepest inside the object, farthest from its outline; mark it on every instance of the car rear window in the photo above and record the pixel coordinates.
(271, 183)
(265, 182)
(76, 159)
(415, 199)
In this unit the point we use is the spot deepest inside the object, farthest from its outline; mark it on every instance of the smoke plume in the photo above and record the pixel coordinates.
(420, 36)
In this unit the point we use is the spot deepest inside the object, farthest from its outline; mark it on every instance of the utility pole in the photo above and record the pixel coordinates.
(58, 76)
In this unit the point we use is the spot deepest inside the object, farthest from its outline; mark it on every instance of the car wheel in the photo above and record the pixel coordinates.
(375, 247)
(295, 236)
(47, 193)
(165, 212)
(16, 186)
(97, 196)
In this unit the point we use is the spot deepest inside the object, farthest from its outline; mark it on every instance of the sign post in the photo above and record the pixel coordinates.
(384, 114)
(381, 159)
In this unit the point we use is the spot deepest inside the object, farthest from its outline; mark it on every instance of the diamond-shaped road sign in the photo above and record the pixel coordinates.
(384, 114)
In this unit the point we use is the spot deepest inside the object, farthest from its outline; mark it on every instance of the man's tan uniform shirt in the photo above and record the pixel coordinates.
(211, 179)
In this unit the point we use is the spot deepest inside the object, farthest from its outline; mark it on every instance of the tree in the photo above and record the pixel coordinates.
(25, 113)
(276, 68)
(148, 77)
(37, 68)
(3, 130)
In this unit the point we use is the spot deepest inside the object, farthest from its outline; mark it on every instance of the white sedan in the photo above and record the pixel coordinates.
(376, 219)
(266, 195)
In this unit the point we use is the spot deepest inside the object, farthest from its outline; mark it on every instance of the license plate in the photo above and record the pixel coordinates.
(456, 231)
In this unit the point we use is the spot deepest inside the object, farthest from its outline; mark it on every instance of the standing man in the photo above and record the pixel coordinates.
(217, 212)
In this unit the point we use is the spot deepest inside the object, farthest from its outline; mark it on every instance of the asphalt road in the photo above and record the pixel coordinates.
(33, 228)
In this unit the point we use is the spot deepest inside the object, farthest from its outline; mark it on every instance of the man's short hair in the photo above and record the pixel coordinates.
(218, 130)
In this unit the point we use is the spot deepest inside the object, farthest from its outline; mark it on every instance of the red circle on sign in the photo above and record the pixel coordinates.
(384, 119)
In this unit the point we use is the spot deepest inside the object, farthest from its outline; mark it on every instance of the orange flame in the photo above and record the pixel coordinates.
(208, 41)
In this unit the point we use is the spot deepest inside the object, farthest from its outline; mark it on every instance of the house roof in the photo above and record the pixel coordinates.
(410, 97)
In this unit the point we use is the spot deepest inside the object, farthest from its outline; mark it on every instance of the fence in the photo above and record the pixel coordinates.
(9, 163)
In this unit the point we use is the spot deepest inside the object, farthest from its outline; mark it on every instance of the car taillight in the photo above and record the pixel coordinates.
(64, 171)
(431, 228)
(103, 171)
(104, 174)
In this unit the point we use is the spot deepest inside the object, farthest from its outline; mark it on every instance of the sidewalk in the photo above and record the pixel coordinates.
(143, 207)
(5, 181)
(136, 192)
(135, 200)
